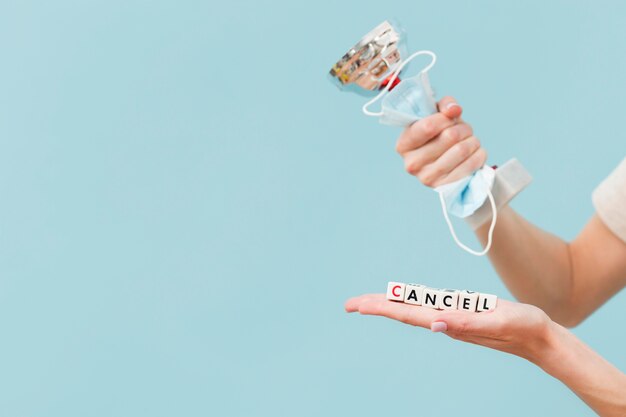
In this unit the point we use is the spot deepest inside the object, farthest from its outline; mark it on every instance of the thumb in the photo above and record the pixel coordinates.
(450, 107)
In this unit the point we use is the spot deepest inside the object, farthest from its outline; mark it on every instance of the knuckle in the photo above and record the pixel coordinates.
(427, 178)
(437, 171)
(480, 157)
(404, 140)
(400, 146)
(464, 149)
(473, 143)
(414, 164)
(411, 167)
(451, 135)
(484, 155)
(427, 126)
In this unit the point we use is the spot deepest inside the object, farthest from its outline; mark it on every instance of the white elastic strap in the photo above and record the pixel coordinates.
(494, 212)
(393, 78)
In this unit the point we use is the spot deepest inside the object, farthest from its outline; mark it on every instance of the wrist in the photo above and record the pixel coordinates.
(510, 179)
(587, 374)
(551, 348)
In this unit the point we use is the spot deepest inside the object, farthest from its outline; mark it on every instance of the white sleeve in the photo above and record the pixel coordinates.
(511, 178)
(609, 200)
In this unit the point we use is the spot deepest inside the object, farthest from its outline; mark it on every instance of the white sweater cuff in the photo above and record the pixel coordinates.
(511, 178)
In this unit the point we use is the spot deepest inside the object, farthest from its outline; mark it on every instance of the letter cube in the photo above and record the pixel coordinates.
(430, 297)
(468, 300)
(413, 294)
(487, 302)
(395, 291)
(448, 299)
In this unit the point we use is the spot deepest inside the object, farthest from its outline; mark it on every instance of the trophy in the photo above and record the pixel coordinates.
(374, 64)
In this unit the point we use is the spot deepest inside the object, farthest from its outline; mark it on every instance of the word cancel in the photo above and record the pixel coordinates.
(440, 299)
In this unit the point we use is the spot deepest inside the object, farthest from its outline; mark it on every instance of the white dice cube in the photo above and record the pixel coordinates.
(430, 297)
(413, 294)
(395, 291)
(486, 302)
(448, 299)
(468, 300)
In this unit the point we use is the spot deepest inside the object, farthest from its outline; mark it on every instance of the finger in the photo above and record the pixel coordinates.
(422, 131)
(416, 160)
(434, 174)
(352, 305)
(474, 162)
(476, 340)
(465, 324)
(406, 313)
(450, 107)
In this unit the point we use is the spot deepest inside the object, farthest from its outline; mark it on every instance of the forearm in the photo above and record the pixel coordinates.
(598, 383)
(533, 264)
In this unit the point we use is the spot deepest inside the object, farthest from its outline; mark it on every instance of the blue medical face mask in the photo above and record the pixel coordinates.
(411, 100)
(463, 197)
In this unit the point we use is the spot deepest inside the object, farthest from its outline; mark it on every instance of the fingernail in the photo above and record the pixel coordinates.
(450, 105)
(438, 326)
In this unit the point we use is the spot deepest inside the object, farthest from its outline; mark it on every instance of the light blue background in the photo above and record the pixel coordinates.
(186, 202)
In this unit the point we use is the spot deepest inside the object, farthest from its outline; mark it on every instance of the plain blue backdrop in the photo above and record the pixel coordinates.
(186, 202)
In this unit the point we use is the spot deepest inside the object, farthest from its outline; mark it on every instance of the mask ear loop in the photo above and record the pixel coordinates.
(494, 216)
(393, 78)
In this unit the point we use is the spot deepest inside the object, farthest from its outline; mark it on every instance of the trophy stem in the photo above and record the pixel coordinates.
(395, 82)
